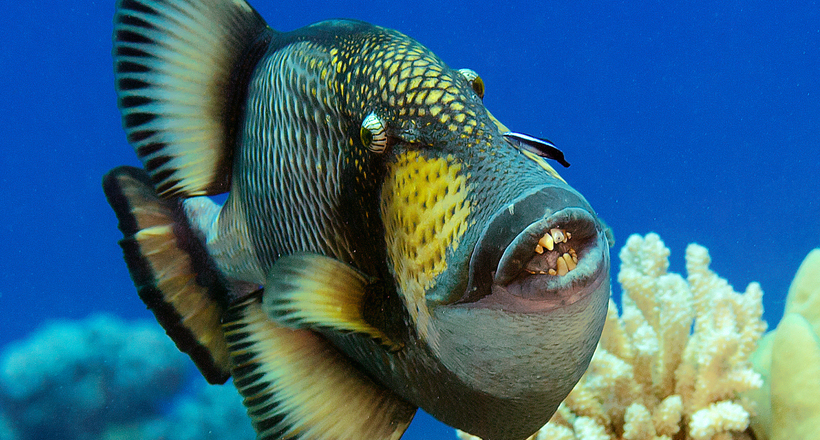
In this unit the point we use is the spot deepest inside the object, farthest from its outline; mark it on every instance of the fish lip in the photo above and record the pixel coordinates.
(544, 291)
(522, 249)
(513, 288)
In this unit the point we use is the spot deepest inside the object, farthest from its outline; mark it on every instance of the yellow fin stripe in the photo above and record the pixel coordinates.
(533, 157)
(314, 291)
(501, 127)
(543, 164)
(174, 277)
(175, 63)
(158, 247)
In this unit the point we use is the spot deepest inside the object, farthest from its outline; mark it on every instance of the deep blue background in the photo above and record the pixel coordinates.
(697, 120)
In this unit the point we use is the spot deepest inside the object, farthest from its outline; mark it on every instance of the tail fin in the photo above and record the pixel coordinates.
(171, 269)
(181, 69)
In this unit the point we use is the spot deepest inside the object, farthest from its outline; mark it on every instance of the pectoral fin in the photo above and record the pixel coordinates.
(318, 292)
(297, 386)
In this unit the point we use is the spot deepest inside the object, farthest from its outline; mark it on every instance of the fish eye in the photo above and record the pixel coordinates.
(475, 81)
(373, 134)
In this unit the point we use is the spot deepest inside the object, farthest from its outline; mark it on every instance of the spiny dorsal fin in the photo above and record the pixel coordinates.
(314, 291)
(297, 386)
(171, 270)
(181, 68)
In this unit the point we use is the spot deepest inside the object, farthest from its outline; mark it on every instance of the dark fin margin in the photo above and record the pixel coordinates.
(297, 386)
(171, 270)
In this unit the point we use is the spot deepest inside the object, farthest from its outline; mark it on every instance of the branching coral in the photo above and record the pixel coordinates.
(673, 365)
(211, 413)
(106, 379)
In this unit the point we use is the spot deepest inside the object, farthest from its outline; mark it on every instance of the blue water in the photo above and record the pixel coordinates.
(696, 120)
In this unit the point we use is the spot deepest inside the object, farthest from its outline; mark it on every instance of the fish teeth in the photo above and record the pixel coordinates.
(566, 262)
(547, 242)
(569, 261)
(562, 267)
(558, 235)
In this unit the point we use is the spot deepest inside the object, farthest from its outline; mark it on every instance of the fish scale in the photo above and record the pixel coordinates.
(307, 99)
(269, 162)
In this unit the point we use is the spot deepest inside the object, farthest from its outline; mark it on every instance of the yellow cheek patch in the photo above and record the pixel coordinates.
(424, 209)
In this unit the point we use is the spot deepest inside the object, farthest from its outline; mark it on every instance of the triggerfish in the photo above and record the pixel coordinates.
(385, 244)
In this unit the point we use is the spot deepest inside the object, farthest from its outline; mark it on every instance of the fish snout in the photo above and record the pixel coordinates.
(544, 250)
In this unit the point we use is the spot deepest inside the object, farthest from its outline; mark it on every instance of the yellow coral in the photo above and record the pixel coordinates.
(788, 358)
(673, 364)
(804, 293)
(796, 390)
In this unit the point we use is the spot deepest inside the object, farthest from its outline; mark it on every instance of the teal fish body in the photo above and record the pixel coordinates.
(386, 243)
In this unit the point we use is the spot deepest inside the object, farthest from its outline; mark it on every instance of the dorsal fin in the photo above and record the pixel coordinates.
(181, 69)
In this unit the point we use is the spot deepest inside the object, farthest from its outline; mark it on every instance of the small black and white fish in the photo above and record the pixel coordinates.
(384, 246)
(541, 147)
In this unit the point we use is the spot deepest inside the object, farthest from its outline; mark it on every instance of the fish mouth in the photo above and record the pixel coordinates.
(554, 261)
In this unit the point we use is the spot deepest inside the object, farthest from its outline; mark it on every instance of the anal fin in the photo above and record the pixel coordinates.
(171, 270)
(315, 291)
(297, 386)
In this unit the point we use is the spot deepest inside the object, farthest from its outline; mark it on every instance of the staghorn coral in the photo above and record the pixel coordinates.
(673, 364)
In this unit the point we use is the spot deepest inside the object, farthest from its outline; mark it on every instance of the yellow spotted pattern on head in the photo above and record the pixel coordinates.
(424, 209)
(390, 71)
